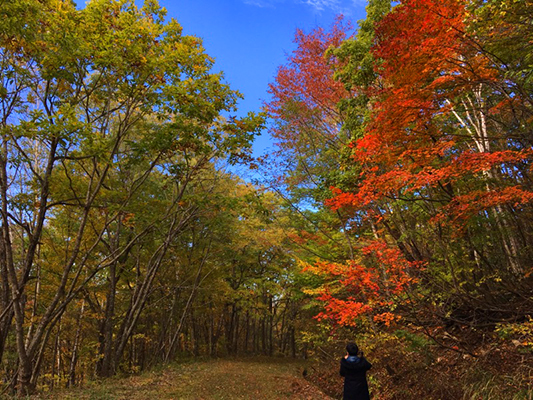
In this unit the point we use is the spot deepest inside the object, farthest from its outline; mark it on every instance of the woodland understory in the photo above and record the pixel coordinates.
(396, 210)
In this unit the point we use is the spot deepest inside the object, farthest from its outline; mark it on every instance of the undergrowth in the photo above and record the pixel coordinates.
(408, 365)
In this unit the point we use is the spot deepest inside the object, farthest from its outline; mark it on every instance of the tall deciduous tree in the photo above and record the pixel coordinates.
(306, 120)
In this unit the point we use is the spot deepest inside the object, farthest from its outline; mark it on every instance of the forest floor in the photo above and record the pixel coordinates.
(220, 379)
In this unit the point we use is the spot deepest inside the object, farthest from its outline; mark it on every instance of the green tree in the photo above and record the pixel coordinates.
(91, 98)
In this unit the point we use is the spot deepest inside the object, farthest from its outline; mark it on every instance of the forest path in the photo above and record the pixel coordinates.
(223, 379)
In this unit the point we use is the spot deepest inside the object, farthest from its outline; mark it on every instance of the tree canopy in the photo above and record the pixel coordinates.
(396, 208)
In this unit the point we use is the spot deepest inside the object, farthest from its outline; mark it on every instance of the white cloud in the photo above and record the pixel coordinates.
(339, 6)
(321, 5)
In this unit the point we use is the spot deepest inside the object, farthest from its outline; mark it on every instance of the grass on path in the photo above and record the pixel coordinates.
(222, 379)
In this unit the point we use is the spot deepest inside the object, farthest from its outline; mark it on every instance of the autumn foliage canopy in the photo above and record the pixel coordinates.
(440, 190)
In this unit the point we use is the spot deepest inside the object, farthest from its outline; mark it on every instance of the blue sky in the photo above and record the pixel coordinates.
(249, 39)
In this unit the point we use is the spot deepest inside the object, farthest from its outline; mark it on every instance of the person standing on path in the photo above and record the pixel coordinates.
(353, 369)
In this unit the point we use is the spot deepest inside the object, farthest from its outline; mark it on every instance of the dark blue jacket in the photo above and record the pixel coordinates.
(354, 370)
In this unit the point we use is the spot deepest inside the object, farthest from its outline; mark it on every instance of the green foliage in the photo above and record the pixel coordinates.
(434, 161)
(520, 334)
(111, 123)
(358, 69)
(414, 342)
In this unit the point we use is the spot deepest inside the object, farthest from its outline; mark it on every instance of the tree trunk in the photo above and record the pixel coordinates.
(105, 366)
(74, 357)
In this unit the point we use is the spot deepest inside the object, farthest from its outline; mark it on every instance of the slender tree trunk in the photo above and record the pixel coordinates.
(236, 333)
(74, 357)
(187, 306)
(293, 342)
(270, 326)
(247, 332)
(254, 332)
(6, 310)
(105, 365)
(56, 359)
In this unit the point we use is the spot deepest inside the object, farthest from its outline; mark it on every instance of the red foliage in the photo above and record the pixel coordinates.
(305, 93)
(462, 208)
(429, 134)
(373, 287)
(412, 143)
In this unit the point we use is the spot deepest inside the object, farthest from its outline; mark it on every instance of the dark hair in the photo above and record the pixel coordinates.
(352, 349)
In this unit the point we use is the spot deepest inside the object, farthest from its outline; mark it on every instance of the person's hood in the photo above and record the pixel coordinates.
(353, 362)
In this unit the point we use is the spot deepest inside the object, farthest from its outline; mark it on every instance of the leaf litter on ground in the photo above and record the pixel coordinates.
(217, 379)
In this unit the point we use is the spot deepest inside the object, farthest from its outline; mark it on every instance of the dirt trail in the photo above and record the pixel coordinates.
(213, 379)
